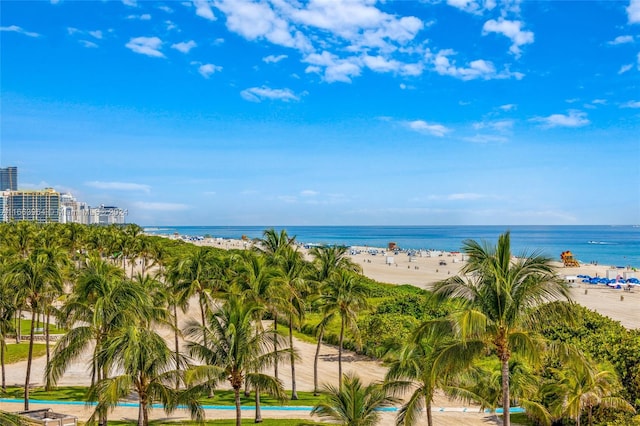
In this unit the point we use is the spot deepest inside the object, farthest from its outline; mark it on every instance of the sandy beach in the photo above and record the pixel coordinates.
(422, 270)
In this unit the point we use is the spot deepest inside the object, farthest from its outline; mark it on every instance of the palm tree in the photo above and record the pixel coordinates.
(147, 367)
(7, 311)
(354, 404)
(273, 243)
(35, 277)
(328, 260)
(502, 301)
(345, 295)
(100, 301)
(584, 388)
(232, 347)
(295, 289)
(197, 273)
(414, 369)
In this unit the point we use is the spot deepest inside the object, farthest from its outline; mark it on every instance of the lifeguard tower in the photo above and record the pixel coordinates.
(568, 260)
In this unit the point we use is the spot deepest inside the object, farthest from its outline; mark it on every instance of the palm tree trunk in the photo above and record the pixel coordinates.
(46, 338)
(294, 393)
(29, 359)
(275, 345)
(340, 353)
(204, 337)
(18, 331)
(429, 417)
(316, 391)
(3, 347)
(236, 392)
(175, 341)
(506, 400)
(258, 418)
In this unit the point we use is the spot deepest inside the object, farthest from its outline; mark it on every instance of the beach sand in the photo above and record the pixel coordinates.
(421, 271)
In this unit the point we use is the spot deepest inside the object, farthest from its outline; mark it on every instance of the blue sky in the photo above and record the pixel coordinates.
(327, 112)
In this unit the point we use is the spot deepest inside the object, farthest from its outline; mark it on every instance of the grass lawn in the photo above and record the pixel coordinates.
(20, 352)
(62, 393)
(229, 422)
(221, 397)
(25, 328)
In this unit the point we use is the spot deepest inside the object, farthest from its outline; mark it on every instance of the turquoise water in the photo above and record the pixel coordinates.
(607, 245)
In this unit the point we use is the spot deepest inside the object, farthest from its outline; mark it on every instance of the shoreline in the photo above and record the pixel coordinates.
(424, 268)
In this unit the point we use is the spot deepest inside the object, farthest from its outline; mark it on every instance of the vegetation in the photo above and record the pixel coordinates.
(492, 336)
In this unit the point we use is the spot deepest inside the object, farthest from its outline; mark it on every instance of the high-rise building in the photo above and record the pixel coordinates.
(36, 206)
(8, 178)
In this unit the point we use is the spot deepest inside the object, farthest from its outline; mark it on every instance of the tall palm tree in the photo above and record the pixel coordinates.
(354, 404)
(197, 273)
(295, 290)
(232, 347)
(273, 245)
(327, 260)
(147, 367)
(100, 301)
(345, 295)
(35, 277)
(502, 300)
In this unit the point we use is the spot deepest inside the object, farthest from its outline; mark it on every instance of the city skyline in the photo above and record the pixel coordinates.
(357, 112)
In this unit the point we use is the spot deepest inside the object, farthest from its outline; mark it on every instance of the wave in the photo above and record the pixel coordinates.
(601, 242)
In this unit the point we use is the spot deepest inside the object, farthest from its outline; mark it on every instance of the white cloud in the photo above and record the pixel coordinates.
(472, 6)
(486, 139)
(633, 11)
(272, 59)
(332, 67)
(131, 3)
(499, 125)
(599, 101)
(631, 104)
(143, 17)
(478, 69)
(203, 9)
(512, 30)
(308, 193)
(96, 34)
(166, 9)
(88, 44)
(573, 119)
(258, 20)
(621, 40)
(184, 46)
(361, 33)
(19, 30)
(159, 206)
(625, 68)
(149, 46)
(207, 70)
(119, 186)
(258, 94)
(508, 107)
(423, 127)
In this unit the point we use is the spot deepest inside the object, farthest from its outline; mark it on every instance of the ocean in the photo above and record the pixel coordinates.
(606, 245)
